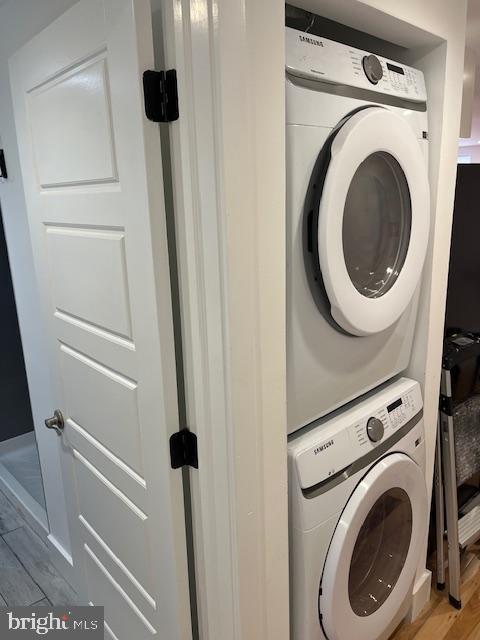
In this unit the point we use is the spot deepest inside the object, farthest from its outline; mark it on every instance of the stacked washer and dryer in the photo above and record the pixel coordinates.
(357, 233)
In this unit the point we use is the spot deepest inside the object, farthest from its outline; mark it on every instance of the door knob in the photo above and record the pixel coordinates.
(56, 422)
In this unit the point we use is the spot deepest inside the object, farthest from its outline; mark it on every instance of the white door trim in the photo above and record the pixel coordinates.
(228, 167)
(202, 307)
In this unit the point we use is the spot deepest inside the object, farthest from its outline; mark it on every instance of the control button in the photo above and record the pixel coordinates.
(373, 68)
(375, 429)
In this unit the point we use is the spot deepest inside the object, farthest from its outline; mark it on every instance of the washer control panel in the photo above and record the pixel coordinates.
(316, 58)
(330, 445)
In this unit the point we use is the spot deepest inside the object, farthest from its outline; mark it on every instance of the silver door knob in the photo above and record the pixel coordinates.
(375, 429)
(56, 422)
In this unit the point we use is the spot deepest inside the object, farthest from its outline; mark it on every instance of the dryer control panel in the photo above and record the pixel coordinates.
(331, 445)
(316, 58)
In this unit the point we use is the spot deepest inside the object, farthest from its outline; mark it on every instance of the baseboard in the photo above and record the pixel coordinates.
(31, 511)
(421, 595)
(61, 559)
(34, 515)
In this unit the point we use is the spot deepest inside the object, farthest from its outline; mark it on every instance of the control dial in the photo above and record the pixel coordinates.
(375, 429)
(373, 68)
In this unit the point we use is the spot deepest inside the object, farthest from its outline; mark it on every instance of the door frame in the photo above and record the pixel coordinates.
(230, 229)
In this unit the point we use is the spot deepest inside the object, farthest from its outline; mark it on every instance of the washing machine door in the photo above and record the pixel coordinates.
(374, 553)
(368, 212)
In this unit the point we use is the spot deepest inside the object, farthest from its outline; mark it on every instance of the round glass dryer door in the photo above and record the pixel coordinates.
(377, 221)
(372, 560)
(369, 220)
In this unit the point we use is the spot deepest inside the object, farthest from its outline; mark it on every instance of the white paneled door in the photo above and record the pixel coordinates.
(92, 175)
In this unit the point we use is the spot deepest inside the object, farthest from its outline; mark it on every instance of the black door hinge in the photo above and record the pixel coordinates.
(160, 94)
(183, 449)
(446, 405)
(3, 166)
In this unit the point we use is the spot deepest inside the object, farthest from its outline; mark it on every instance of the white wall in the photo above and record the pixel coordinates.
(20, 20)
(468, 97)
(473, 151)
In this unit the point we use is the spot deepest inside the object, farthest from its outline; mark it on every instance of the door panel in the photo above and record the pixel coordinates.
(129, 621)
(80, 95)
(122, 476)
(82, 260)
(103, 422)
(135, 591)
(92, 174)
(94, 491)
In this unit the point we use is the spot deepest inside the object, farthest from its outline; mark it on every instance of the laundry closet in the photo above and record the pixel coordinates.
(358, 221)
(239, 302)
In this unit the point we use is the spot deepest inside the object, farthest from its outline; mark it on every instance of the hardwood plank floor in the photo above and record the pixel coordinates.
(30, 550)
(440, 621)
(43, 603)
(27, 577)
(10, 519)
(16, 586)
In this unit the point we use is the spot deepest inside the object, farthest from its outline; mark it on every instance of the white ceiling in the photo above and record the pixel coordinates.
(473, 42)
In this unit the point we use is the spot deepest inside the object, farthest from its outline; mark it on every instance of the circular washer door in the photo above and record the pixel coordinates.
(373, 221)
(373, 557)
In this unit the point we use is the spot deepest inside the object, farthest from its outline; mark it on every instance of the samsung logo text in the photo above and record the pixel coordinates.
(317, 43)
(323, 446)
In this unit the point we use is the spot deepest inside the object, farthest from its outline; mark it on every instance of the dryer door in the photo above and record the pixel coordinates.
(369, 220)
(372, 559)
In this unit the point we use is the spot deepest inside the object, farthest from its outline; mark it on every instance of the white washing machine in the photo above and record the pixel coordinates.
(358, 212)
(358, 517)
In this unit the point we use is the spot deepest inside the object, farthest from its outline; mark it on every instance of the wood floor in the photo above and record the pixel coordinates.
(440, 621)
(26, 574)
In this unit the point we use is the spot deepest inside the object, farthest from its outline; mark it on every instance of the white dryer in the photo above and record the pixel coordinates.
(358, 212)
(358, 517)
